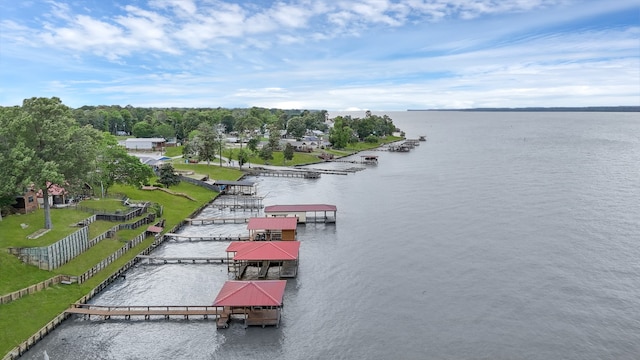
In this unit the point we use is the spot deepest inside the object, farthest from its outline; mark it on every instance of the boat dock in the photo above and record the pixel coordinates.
(106, 311)
(187, 238)
(207, 221)
(151, 260)
(284, 173)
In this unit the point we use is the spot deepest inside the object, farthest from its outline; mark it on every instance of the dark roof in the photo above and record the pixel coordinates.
(233, 183)
(300, 208)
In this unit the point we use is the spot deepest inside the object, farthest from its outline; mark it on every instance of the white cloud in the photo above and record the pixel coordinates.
(369, 54)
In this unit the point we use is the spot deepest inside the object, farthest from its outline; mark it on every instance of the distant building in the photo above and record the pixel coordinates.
(145, 143)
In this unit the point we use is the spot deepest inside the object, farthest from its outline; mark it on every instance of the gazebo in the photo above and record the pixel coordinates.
(263, 254)
(257, 302)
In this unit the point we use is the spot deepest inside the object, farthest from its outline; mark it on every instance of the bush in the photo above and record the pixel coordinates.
(371, 139)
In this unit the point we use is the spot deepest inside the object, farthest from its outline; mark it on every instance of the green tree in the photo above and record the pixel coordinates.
(288, 152)
(164, 131)
(252, 144)
(340, 135)
(274, 137)
(115, 165)
(167, 175)
(243, 157)
(206, 142)
(62, 152)
(142, 129)
(296, 127)
(266, 153)
(14, 159)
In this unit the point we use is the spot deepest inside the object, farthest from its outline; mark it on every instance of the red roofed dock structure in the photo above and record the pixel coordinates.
(263, 255)
(257, 302)
(264, 228)
(304, 212)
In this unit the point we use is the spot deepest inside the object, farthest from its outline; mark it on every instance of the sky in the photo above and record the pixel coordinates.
(334, 55)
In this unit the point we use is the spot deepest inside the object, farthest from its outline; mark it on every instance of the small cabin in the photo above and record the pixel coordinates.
(27, 202)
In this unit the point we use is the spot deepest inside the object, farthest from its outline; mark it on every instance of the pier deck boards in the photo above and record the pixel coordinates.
(205, 221)
(178, 237)
(183, 260)
(127, 312)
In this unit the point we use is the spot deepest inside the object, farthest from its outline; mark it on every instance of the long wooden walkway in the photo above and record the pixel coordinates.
(284, 173)
(187, 238)
(206, 221)
(182, 260)
(106, 312)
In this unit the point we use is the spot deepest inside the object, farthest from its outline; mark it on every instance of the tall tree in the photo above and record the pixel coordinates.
(266, 153)
(142, 129)
(274, 137)
(14, 159)
(296, 127)
(115, 165)
(167, 175)
(206, 142)
(63, 153)
(287, 152)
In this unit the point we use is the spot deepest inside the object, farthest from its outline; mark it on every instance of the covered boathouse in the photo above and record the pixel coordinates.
(228, 187)
(263, 255)
(304, 212)
(270, 229)
(255, 302)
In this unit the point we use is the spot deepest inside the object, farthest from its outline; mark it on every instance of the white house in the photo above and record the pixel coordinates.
(145, 143)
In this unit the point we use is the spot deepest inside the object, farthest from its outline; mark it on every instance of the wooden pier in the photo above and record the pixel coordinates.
(339, 172)
(151, 260)
(207, 221)
(239, 202)
(187, 238)
(284, 173)
(106, 311)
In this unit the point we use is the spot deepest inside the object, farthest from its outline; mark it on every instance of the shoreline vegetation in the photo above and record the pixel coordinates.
(26, 316)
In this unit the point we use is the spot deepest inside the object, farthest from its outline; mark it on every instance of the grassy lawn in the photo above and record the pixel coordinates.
(16, 275)
(173, 151)
(63, 220)
(43, 306)
(214, 171)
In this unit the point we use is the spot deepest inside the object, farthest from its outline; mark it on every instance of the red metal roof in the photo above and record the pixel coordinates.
(268, 250)
(300, 208)
(272, 223)
(251, 293)
(237, 245)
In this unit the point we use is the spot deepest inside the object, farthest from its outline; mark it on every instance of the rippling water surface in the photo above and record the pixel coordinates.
(505, 236)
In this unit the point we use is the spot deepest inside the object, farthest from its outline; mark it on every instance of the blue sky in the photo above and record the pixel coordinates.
(322, 54)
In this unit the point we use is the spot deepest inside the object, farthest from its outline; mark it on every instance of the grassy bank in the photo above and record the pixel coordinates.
(22, 318)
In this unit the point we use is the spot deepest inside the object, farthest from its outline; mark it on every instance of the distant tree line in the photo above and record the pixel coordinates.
(178, 123)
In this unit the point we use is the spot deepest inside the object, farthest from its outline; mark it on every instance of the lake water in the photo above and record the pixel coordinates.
(504, 236)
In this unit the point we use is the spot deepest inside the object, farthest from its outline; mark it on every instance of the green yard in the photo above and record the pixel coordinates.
(46, 304)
